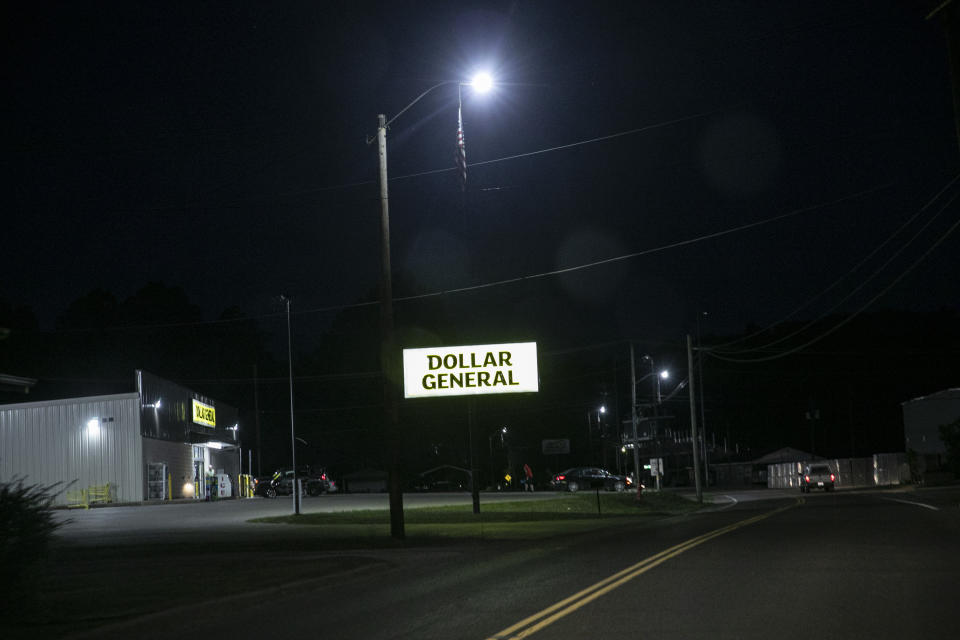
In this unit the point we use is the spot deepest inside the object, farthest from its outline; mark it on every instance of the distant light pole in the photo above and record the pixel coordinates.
(693, 419)
(603, 439)
(633, 418)
(703, 418)
(600, 411)
(653, 374)
(482, 82)
(657, 399)
(293, 435)
(493, 474)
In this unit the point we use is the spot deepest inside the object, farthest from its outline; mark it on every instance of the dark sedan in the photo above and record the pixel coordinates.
(577, 478)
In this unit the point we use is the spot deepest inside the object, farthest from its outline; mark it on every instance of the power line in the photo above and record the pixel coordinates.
(361, 183)
(529, 277)
(856, 313)
(864, 283)
(322, 377)
(645, 252)
(571, 145)
(846, 275)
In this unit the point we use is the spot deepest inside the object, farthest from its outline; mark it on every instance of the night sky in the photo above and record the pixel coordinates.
(221, 148)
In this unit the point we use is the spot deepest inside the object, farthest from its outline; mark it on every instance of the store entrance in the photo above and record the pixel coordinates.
(199, 472)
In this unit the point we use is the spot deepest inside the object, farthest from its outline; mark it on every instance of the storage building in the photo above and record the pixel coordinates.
(160, 442)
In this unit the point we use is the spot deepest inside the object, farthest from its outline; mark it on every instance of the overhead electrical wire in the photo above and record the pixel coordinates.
(571, 145)
(430, 172)
(499, 283)
(666, 247)
(835, 283)
(362, 183)
(518, 279)
(856, 313)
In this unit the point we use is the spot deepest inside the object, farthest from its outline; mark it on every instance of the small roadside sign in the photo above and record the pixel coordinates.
(656, 466)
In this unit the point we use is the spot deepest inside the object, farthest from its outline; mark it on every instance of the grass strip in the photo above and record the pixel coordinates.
(549, 516)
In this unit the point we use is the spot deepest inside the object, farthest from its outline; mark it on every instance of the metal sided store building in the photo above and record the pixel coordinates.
(157, 443)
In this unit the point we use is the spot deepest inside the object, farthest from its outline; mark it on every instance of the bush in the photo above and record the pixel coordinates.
(26, 524)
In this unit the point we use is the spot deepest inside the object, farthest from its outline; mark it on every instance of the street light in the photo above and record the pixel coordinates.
(482, 82)
(389, 361)
(664, 375)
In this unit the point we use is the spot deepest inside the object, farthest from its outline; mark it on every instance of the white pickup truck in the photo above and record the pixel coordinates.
(817, 476)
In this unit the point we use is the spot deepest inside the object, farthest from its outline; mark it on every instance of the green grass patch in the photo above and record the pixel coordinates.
(523, 519)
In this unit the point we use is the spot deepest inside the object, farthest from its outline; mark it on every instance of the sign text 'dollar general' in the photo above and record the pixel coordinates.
(470, 370)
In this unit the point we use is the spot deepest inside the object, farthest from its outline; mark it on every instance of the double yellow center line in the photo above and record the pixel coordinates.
(565, 607)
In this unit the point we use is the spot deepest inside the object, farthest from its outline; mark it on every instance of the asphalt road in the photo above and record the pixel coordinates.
(838, 565)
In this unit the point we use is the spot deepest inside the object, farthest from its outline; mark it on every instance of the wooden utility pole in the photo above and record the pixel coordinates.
(633, 419)
(388, 355)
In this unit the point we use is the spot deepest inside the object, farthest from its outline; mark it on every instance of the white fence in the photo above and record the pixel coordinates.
(882, 469)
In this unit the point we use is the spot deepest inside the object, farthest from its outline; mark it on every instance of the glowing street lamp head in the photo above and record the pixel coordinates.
(482, 82)
(603, 409)
(664, 374)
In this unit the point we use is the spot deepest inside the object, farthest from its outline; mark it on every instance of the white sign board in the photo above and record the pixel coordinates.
(656, 466)
(555, 447)
(470, 370)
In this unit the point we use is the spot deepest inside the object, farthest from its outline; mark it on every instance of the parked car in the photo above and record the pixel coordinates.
(817, 476)
(319, 483)
(286, 482)
(577, 478)
(314, 481)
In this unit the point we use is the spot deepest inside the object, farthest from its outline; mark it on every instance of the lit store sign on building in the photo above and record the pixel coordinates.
(204, 414)
(471, 370)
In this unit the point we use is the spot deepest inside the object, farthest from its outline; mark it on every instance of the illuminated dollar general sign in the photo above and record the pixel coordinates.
(470, 370)
(204, 414)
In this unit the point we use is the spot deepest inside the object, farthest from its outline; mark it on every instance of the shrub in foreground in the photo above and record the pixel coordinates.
(26, 524)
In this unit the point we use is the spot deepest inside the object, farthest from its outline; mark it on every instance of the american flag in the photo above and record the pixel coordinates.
(461, 152)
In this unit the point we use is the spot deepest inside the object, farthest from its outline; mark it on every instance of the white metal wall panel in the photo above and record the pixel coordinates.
(922, 418)
(51, 442)
(881, 469)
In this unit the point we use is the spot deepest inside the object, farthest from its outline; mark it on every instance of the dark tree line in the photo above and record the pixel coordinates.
(840, 397)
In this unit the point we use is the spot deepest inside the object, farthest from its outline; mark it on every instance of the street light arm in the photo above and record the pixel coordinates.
(679, 388)
(651, 374)
(419, 97)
